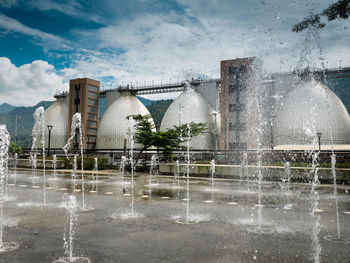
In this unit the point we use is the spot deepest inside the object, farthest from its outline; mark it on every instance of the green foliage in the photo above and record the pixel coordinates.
(168, 140)
(89, 162)
(157, 110)
(137, 168)
(340, 9)
(14, 148)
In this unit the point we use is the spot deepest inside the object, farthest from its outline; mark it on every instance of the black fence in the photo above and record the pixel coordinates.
(200, 156)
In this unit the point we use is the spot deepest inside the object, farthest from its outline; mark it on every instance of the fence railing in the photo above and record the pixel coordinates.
(204, 156)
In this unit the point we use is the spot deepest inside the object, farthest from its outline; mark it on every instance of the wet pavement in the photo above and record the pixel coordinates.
(225, 221)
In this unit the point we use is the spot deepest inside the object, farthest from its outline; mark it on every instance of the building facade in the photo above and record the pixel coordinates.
(84, 97)
(237, 116)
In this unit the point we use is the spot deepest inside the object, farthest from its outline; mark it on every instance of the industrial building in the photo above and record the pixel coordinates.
(243, 111)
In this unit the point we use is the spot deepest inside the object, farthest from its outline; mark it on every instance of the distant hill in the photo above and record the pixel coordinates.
(25, 122)
(341, 88)
(157, 109)
(6, 108)
(144, 101)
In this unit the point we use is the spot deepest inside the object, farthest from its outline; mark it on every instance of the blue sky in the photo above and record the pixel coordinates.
(45, 43)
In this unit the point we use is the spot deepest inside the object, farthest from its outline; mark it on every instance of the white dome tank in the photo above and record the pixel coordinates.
(311, 108)
(113, 124)
(190, 106)
(57, 116)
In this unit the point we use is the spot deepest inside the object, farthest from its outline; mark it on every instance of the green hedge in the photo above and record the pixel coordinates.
(138, 168)
(89, 162)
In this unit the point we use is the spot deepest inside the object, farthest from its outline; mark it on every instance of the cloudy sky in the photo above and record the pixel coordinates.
(44, 43)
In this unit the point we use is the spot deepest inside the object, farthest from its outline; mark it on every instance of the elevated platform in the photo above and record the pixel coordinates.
(156, 89)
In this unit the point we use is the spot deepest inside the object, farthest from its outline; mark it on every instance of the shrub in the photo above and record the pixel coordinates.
(89, 162)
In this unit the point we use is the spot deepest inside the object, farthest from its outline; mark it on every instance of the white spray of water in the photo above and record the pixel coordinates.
(39, 130)
(287, 172)
(316, 247)
(96, 171)
(54, 166)
(74, 172)
(256, 107)
(15, 169)
(188, 163)
(122, 170)
(335, 192)
(212, 170)
(243, 167)
(76, 125)
(177, 178)
(4, 144)
(151, 173)
(190, 92)
(130, 136)
(70, 227)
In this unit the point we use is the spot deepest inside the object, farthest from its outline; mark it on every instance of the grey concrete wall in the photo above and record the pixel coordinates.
(269, 172)
(24, 163)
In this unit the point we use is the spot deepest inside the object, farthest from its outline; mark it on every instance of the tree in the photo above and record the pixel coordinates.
(340, 9)
(14, 148)
(168, 140)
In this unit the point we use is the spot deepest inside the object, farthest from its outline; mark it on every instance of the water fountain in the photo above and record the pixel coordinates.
(4, 144)
(286, 177)
(176, 182)
(152, 173)
(76, 127)
(316, 247)
(242, 168)
(123, 160)
(212, 172)
(54, 162)
(187, 173)
(39, 131)
(95, 175)
(186, 219)
(130, 137)
(34, 162)
(70, 229)
(338, 238)
(15, 163)
(74, 174)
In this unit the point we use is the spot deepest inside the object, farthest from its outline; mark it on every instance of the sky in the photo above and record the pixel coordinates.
(45, 43)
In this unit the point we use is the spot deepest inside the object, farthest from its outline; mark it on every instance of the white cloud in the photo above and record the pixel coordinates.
(13, 25)
(48, 41)
(159, 47)
(28, 84)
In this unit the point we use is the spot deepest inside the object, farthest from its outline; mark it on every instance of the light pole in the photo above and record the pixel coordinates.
(16, 128)
(319, 134)
(50, 128)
